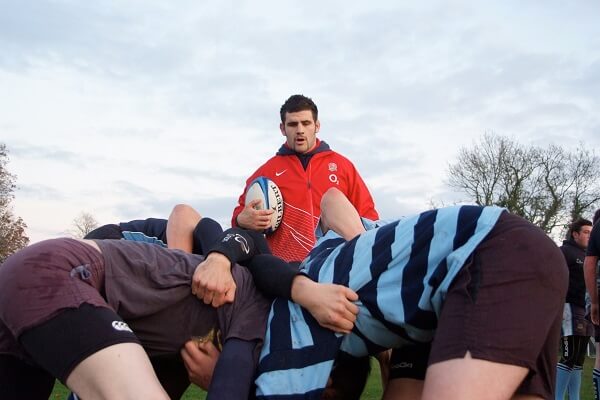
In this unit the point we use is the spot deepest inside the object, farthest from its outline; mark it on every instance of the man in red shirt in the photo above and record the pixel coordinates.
(304, 168)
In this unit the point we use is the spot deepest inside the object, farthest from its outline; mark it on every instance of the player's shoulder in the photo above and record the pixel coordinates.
(334, 159)
(270, 166)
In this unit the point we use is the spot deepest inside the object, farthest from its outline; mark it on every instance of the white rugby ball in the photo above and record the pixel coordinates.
(266, 190)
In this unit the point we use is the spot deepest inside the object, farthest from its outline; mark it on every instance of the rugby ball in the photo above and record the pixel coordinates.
(266, 190)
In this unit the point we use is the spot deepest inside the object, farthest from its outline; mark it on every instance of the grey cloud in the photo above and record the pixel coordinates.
(205, 172)
(219, 208)
(39, 192)
(48, 153)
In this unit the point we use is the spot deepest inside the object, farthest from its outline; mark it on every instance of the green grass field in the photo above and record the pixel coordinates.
(372, 390)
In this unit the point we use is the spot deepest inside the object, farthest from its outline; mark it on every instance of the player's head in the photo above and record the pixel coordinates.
(348, 377)
(579, 231)
(296, 103)
(299, 123)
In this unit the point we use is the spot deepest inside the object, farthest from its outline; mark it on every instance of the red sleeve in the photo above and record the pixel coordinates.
(360, 197)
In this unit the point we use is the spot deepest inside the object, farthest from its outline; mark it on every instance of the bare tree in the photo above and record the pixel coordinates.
(12, 228)
(83, 224)
(549, 186)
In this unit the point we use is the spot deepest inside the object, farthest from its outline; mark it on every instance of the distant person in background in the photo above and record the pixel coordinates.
(184, 230)
(576, 329)
(590, 266)
(303, 168)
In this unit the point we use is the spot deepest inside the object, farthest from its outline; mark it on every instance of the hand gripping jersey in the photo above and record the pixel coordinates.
(302, 190)
(401, 272)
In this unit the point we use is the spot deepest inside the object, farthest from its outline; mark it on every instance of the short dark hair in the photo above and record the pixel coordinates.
(348, 377)
(296, 103)
(577, 225)
(596, 216)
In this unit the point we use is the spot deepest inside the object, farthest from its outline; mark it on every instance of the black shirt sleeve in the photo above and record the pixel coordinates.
(272, 275)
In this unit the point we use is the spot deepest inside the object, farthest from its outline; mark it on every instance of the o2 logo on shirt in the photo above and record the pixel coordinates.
(333, 177)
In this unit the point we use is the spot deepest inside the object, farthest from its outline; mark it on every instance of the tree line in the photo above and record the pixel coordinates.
(12, 228)
(547, 185)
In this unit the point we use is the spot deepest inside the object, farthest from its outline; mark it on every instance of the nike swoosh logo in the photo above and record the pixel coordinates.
(280, 173)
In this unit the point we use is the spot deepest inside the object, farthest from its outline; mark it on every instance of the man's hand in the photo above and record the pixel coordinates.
(594, 314)
(212, 281)
(200, 360)
(253, 219)
(331, 305)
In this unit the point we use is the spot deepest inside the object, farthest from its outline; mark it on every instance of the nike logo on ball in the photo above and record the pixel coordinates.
(280, 173)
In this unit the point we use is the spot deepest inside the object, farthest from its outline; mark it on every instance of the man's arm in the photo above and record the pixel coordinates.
(589, 271)
(234, 372)
(212, 370)
(360, 197)
(212, 282)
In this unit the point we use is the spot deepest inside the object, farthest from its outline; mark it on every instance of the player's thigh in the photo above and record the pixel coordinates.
(120, 371)
(472, 379)
(403, 388)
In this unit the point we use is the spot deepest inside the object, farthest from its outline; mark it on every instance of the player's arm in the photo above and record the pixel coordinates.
(360, 197)
(237, 355)
(330, 304)
(212, 281)
(589, 271)
(211, 370)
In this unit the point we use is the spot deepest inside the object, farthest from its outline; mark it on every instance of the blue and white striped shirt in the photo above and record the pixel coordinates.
(401, 272)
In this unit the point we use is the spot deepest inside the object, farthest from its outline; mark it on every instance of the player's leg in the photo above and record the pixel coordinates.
(498, 332)
(339, 215)
(180, 227)
(596, 370)
(120, 371)
(564, 368)
(93, 352)
(580, 348)
(470, 379)
(205, 234)
(407, 367)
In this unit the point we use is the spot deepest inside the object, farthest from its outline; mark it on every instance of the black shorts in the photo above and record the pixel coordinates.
(506, 305)
(410, 361)
(56, 347)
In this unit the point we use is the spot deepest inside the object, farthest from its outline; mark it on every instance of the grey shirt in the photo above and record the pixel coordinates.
(150, 288)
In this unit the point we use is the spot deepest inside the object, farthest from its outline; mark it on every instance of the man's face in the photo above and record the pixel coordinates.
(300, 130)
(582, 238)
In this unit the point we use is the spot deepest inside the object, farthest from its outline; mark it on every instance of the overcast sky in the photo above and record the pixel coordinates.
(124, 108)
